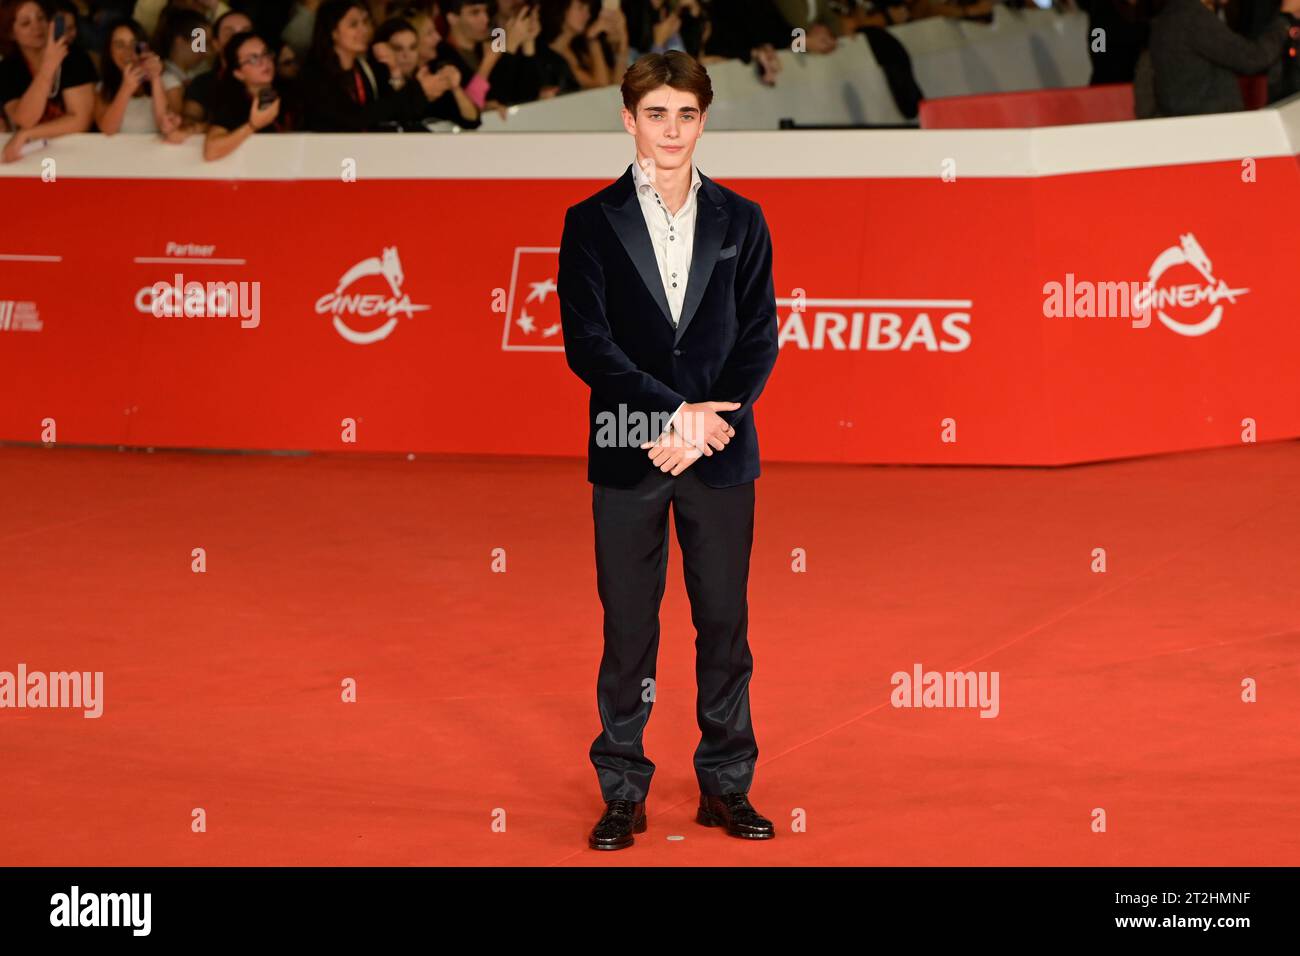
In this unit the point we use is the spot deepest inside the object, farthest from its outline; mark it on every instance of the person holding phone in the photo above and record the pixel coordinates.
(132, 97)
(46, 86)
(247, 99)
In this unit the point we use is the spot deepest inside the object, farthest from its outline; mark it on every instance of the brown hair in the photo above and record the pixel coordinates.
(679, 70)
(8, 17)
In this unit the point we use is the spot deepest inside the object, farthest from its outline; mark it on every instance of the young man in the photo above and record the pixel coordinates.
(669, 315)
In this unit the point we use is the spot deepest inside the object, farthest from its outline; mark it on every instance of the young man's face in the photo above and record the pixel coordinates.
(666, 125)
(471, 24)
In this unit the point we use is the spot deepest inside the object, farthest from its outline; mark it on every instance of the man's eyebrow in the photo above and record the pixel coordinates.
(680, 109)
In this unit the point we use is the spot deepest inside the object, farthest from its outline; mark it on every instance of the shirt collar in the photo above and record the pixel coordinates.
(642, 180)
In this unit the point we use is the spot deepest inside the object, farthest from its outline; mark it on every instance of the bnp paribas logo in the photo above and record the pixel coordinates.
(363, 310)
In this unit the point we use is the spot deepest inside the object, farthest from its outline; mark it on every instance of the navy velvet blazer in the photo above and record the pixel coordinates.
(619, 336)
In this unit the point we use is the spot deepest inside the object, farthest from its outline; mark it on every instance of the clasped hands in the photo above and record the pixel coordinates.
(701, 430)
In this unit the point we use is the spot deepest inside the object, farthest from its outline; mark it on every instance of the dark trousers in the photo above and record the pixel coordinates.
(715, 527)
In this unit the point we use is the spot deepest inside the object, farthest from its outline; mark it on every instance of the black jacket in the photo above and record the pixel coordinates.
(515, 78)
(618, 331)
(1196, 58)
(332, 105)
(740, 25)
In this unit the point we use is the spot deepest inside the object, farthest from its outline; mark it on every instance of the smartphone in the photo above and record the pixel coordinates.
(266, 97)
(141, 48)
(58, 26)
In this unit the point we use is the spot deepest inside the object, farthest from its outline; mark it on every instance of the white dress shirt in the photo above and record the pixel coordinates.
(673, 239)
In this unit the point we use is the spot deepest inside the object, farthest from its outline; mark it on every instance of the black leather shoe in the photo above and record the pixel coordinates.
(734, 811)
(613, 831)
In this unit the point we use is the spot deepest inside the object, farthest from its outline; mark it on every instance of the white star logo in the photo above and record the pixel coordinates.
(540, 289)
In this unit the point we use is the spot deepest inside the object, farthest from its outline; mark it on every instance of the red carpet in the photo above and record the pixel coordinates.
(476, 690)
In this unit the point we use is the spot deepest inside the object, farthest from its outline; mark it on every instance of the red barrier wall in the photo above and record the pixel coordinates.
(960, 267)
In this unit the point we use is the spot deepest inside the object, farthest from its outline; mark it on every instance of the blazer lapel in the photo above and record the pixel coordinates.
(629, 223)
(711, 218)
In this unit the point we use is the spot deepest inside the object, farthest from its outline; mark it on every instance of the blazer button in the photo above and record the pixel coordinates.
(677, 351)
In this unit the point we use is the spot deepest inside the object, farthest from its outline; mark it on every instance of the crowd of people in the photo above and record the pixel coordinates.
(226, 69)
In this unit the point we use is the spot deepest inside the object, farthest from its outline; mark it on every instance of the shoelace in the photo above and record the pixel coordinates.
(738, 804)
(620, 808)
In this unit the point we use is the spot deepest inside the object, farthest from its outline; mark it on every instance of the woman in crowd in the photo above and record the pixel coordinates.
(594, 49)
(199, 92)
(46, 86)
(426, 32)
(136, 95)
(286, 62)
(343, 92)
(656, 26)
(248, 98)
(396, 48)
(556, 74)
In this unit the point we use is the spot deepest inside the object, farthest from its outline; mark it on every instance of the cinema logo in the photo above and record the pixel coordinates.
(82, 690)
(1187, 308)
(947, 689)
(221, 300)
(876, 325)
(76, 908)
(348, 307)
